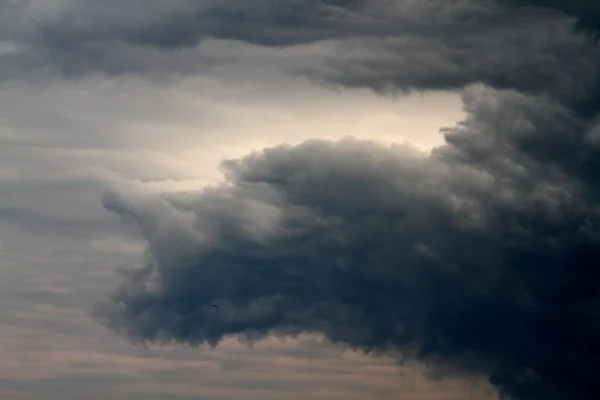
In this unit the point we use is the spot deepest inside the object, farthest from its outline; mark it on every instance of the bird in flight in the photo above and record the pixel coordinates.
(213, 305)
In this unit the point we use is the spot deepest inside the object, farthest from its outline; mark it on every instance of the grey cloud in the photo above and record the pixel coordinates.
(379, 44)
(182, 23)
(479, 258)
(61, 207)
(533, 55)
(586, 12)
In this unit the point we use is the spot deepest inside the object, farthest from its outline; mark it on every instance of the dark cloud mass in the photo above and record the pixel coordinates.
(385, 45)
(482, 257)
(587, 12)
(479, 258)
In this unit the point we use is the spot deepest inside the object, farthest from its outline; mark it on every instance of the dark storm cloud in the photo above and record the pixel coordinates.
(586, 12)
(385, 45)
(185, 23)
(74, 24)
(481, 257)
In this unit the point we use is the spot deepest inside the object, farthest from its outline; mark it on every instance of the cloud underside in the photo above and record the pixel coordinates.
(478, 258)
(383, 45)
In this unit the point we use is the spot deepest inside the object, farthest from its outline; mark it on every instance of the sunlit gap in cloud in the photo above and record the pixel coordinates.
(245, 127)
(173, 136)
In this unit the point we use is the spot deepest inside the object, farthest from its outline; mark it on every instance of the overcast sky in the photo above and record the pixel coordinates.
(387, 199)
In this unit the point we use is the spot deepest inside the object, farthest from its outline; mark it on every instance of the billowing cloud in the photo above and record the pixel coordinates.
(478, 258)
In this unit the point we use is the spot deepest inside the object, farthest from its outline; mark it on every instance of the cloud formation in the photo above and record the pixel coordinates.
(385, 45)
(478, 258)
(586, 12)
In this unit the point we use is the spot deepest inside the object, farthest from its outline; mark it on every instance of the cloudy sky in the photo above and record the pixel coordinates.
(387, 199)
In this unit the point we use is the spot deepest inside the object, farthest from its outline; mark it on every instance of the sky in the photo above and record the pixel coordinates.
(387, 199)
